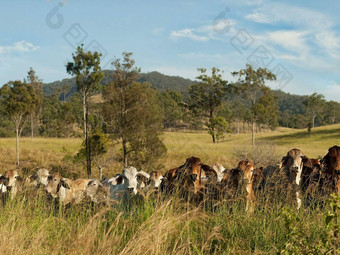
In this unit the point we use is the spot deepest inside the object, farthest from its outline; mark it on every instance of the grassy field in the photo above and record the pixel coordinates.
(31, 225)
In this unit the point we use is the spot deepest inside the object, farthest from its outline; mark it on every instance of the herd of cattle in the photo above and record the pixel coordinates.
(197, 182)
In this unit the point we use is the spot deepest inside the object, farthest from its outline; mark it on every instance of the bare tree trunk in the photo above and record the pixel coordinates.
(32, 126)
(253, 134)
(87, 146)
(17, 143)
(125, 153)
(100, 172)
(84, 112)
(238, 126)
(313, 120)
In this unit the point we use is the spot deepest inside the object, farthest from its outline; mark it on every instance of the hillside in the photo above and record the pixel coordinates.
(156, 79)
(287, 102)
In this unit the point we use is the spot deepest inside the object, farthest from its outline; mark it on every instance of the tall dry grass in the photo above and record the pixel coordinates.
(33, 225)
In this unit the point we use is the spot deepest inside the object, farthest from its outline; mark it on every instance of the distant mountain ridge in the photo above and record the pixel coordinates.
(286, 101)
(156, 79)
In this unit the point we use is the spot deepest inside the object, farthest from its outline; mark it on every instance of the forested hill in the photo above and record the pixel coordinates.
(287, 102)
(156, 79)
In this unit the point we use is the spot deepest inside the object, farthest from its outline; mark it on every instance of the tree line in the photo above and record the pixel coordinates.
(133, 113)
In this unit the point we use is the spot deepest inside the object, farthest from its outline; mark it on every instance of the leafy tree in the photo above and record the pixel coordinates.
(132, 114)
(206, 97)
(252, 87)
(220, 127)
(314, 105)
(19, 101)
(34, 81)
(99, 147)
(332, 111)
(86, 68)
(171, 104)
(239, 111)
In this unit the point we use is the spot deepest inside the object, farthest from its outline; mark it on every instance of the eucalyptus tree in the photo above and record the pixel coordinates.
(86, 68)
(251, 85)
(19, 101)
(206, 98)
(314, 105)
(36, 83)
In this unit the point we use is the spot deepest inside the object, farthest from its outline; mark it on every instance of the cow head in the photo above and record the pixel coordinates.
(219, 169)
(155, 179)
(292, 164)
(190, 173)
(247, 168)
(13, 178)
(53, 181)
(131, 177)
(42, 175)
(96, 191)
(3, 184)
(331, 162)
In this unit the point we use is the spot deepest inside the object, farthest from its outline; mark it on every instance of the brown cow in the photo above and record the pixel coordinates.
(233, 179)
(187, 178)
(331, 169)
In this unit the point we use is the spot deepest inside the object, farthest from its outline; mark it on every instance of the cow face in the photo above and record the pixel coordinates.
(3, 184)
(332, 160)
(132, 179)
(13, 178)
(293, 164)
(219, 169)
(52, 184)
(43, 174)
(155, 179)
(247, 168)
(191, 173)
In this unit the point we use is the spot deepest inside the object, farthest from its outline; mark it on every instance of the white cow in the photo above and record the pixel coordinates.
(127, 183)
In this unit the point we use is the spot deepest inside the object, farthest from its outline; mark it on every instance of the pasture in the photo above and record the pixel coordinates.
(31, 225)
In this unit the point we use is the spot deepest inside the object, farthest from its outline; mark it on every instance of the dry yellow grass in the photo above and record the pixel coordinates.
(31, 225)
(181, 145)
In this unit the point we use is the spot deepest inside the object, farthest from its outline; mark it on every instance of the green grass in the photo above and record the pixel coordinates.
(31, 225)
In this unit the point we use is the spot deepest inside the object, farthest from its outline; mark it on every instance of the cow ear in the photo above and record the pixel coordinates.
(142, 177)
(284, 162)
(208, 170)
(119, 179)
(64, 184)
(20, 179)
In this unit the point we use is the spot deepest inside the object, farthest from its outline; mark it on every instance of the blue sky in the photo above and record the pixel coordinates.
(297, 40)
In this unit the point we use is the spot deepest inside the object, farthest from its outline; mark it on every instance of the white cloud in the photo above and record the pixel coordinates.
(289, 39)
(330, 42)
(188, 33)
(275, 12)
(17, 47)
(258, 17)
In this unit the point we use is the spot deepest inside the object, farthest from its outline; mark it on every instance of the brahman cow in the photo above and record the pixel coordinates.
(14, 181)
(68, 191)
(331, 169)
(155, 180)
(292, 165)
(127, 183)
(238, 180)
(97, 192)
(38, 179)
(188, 179)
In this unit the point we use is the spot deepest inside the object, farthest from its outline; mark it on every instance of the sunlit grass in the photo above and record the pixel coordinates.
(31, 225)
